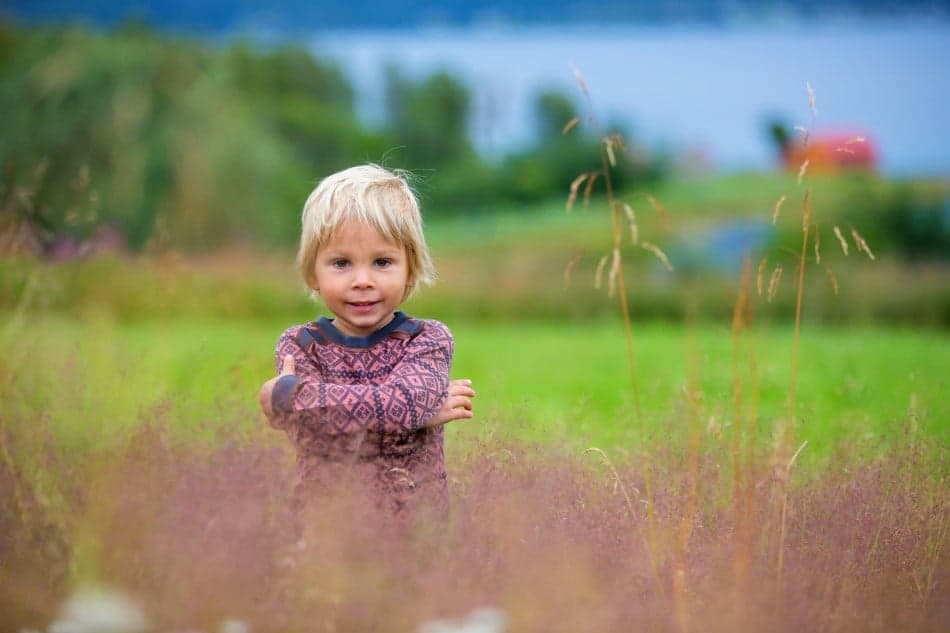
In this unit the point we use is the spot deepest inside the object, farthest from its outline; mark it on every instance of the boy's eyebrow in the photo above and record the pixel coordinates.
(344, 252)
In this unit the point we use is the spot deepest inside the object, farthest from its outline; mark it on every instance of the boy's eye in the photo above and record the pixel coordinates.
(339, 263)
(382, 262)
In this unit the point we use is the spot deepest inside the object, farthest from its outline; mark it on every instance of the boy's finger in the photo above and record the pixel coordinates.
(289, 365)
(460, 402)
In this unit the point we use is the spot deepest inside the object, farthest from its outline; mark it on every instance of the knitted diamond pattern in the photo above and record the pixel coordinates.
(368, 404)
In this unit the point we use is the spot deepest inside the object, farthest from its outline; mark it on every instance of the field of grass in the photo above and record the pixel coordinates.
(567, 383)
(133, 455)
(134, 459)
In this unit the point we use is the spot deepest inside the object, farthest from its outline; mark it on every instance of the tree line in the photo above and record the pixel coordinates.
(177, 139)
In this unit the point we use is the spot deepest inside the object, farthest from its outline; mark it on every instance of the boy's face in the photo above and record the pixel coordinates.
(361, 277)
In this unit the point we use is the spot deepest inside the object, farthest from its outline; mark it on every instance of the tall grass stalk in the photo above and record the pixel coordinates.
(609, 144)
(743, 485)
(783, 439)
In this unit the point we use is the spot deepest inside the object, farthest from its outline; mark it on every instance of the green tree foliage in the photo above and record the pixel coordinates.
(559, 156)
(428, 119)
(194, 145)
(154, 123)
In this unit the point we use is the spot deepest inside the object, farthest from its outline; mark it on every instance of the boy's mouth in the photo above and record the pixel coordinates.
(362, 305)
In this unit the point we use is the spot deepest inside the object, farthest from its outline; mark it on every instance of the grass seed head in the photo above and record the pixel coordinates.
(660, 255)
(570, 125)
(801, 129)
(841, 240)
(861, 244)
(774, 282)
(572, 196)
(579, 78)
(632, 221)
(612, 276)
(590, 187)
(778, 208)
(833, 279)
(599, 273)
(811, 99)
(760, 274)
(660, 209)
(571, 265)
(802, 170)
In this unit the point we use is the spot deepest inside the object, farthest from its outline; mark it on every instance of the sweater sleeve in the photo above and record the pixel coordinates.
(402, 403)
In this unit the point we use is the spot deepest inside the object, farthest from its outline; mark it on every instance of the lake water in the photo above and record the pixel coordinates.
(706, 91)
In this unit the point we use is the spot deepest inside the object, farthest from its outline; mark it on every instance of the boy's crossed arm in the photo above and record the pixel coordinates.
(457, 405)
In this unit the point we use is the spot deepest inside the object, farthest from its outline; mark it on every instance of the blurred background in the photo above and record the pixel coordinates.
(145, 139)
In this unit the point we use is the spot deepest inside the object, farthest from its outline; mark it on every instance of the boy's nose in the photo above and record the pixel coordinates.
(362, 278)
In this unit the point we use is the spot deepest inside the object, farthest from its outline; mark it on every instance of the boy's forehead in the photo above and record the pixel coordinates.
(352, 233)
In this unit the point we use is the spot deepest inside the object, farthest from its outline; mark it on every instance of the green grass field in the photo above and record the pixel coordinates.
(118, 376)
(567, 384)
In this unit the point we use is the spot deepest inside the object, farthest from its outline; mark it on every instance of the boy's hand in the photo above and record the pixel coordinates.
(458, 405)
(288, 368)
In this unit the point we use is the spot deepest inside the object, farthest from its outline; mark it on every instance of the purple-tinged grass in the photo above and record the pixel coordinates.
(201, 532)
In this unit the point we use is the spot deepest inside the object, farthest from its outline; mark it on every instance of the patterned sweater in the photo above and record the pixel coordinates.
(361, 402)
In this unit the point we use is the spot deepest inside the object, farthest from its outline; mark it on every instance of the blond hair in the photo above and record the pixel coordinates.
(371, 195)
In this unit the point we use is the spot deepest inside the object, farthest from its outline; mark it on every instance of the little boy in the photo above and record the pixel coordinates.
(364, 395)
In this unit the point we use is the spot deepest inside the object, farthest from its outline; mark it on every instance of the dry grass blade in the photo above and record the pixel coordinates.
(618, 482)
(845, 150)
(774, 281)
(571, 265)
(579, 78)
(791, 462)
(861, 244)
(589, 188)
(781, 541)
(841, 240)
(612, 276)
(817, 247)
(653, 248)
(801, 129)
(612, 142)
(833, 279)
(778, 208)
(570, 125)
(856, 139)
(760, 274)
(660, 209)
(572, 196)
(609, 148)
(632, 221)
(802, 170)
(599, 273)
(811, 99)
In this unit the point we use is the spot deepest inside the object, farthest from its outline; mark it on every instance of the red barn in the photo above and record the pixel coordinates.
(826, 151)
